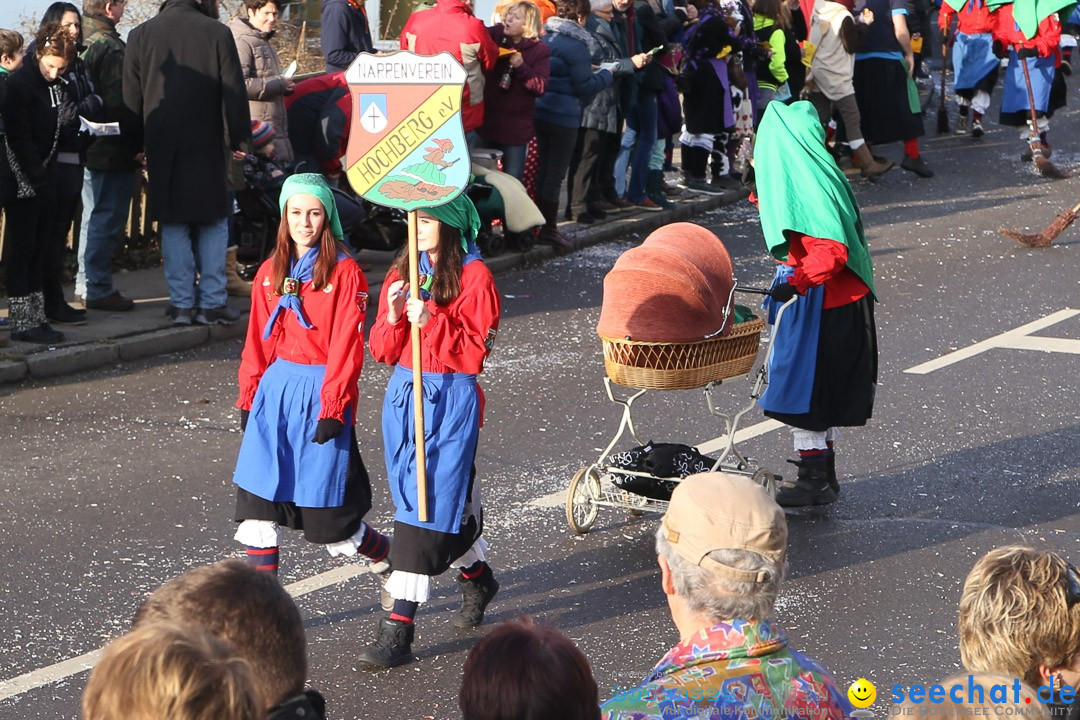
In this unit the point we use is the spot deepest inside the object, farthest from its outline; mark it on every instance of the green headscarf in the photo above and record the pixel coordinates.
(800, 188)
(313, 184)
(460, 213)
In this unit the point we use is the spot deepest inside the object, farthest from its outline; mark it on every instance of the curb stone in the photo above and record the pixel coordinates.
(138, 346)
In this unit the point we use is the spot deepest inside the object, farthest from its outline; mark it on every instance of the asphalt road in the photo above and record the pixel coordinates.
(118, 480)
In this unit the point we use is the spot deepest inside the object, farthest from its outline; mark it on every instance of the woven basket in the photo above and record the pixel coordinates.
(682, 366)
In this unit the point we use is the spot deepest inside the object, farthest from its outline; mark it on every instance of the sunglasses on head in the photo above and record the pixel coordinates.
(1072, 586)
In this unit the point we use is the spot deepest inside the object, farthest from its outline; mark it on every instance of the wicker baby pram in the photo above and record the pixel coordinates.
(644, 365)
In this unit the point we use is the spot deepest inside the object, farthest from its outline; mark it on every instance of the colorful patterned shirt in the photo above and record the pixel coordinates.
(738, 670)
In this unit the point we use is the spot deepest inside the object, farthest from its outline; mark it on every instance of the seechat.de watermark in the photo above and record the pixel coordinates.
(973, 698)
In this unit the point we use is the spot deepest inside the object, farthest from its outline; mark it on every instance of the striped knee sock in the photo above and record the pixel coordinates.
(404, 611)
(263, 558)
(375, 545)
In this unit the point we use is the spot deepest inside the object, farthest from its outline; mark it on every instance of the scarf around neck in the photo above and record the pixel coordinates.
(302, 271)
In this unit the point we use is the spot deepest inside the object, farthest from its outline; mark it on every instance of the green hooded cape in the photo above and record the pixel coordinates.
(800, 188)
(313, 184)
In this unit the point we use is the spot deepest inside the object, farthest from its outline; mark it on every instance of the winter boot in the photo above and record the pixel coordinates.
(549, 233)
(392, 646)
(27, 315)
(654, 189)
(830, 468)
(870, 167)
(234, 284)
(475, 596)
(811, 487)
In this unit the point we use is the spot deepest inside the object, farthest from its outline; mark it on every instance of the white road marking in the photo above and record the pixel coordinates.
(558, 498)
(1016, 339)
(73, 666)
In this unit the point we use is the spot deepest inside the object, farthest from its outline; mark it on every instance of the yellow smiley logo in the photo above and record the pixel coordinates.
(862, 693)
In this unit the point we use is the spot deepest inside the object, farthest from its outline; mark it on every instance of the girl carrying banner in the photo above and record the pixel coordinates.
(458, 317)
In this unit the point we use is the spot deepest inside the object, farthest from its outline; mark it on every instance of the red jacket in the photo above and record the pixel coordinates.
(457, 338)
(337, 340)
(1046, 37)
(823, 262)
(974, 19)
(452, 27)
(320, 115)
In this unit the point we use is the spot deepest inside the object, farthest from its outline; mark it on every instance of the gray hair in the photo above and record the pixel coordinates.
(718, 598)
(599, 4)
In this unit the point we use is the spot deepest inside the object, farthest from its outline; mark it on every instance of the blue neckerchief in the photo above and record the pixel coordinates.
(301, 272)
(427, 269)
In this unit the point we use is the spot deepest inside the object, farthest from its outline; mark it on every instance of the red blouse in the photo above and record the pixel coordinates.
(457, 338)
(976, 18)
(1047, 36)
(823, 262)
(336, 340)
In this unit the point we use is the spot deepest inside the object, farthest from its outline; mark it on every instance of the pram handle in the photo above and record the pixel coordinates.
(735, 287)
(754, 290)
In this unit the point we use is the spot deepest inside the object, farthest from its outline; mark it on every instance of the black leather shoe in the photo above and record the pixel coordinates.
(41, 335)
(64, 314)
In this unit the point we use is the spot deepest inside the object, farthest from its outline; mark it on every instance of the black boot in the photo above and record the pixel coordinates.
(830, 468)
(654, 189)
(392, 646)
(475, 596)
(812, 487)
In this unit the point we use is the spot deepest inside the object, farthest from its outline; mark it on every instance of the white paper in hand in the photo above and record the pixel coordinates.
(291, 70)
(98, 129)
(609, 66)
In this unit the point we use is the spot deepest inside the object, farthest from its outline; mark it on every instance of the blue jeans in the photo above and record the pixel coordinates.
(191, 248)
(513, 159)
(106, 197)
(644, 117)
(622, 160)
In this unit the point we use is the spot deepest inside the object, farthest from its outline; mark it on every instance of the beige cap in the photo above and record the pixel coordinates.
(722, 511)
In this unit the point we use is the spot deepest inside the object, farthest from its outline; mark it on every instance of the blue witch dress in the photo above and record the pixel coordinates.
(455, 343)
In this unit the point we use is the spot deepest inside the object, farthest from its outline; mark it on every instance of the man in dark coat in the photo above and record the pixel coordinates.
(345, 33)
(182, 77)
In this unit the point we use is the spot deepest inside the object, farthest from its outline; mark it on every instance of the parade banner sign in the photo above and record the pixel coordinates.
(407, 144)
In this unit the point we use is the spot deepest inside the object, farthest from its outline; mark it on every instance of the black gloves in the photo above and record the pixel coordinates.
(1025, 53)
(783, 292)
(327, 430)
(243, 419)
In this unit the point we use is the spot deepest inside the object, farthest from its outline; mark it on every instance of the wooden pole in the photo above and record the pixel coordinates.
(418, 385)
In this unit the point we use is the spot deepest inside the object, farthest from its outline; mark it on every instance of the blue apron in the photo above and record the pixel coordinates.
(451, 429)
(278, 461)
(794, 351)
(1041, 70)
(973, 59)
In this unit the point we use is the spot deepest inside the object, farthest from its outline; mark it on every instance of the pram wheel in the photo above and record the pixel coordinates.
(584, 490)
(522, 242)
(767, 480)
(491, 243)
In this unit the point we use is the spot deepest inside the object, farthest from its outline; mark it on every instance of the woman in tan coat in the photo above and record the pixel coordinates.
(266, 86)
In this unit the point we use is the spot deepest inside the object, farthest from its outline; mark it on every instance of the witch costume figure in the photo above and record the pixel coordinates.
(823, 371)
(299, 465)
(458, 317)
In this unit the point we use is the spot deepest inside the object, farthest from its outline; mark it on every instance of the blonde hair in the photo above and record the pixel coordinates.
(165, 671)
(1014, 614)
(530, 15)
(1026, 705)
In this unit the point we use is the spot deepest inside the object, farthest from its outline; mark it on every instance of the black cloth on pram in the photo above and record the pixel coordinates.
(664, 460)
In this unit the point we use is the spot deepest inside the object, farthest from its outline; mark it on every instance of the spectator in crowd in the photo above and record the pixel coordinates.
(35, 113)
(598, 136)
(722, 545)
(614, 182)
(975, 700)
(524, 670)
(12, 50)
(654, 28)
(266, 86)
(255, 615)
(170, 672)
(835, 34)
(883, 67)
(345, 33)
(797, 33)
(513, 85)
(78, 99)
(1020, 616)
(450, 26)
(182, 78)
(707, 101)
(558, 113)
(320, 114)
(262, 171)
(111, 161)
(771, 23)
